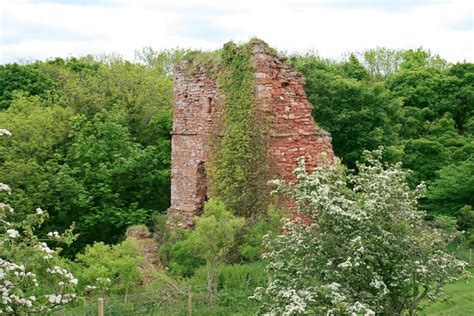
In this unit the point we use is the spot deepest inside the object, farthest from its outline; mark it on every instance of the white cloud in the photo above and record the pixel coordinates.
(41, 29)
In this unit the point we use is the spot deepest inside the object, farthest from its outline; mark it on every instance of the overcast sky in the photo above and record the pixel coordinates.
(40, 29)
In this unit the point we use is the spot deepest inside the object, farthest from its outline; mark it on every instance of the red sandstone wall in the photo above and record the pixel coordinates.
(292, 132)
(196, 104)
(286, 122)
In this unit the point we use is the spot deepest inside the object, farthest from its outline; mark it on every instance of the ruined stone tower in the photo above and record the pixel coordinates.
(198, 106)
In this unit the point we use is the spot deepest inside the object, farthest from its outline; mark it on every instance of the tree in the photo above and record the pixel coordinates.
(382, 62)
(164, 61)
(452, 191)
(32, 276)
(357, 244)
(28, 79)
(31, 158)
(96, 151)
(107, 181)
(142, 93)
(352, 68)
(359, 114)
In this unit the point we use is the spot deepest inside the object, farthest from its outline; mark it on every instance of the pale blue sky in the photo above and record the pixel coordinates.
(40, 29)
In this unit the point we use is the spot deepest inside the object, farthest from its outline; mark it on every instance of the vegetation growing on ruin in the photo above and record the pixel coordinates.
(210, 60)
(238, 166)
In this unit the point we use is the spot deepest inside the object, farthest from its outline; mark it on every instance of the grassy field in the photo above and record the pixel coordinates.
(460, 301)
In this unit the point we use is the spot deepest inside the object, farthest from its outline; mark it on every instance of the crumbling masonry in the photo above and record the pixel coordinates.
(198, 105)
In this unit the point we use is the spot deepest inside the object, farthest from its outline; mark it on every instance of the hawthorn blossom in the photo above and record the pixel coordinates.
(20, 288)
(5, 132)
(5, 188)
(54, 235)
(13, 233)
(363, 248)
(6, 207)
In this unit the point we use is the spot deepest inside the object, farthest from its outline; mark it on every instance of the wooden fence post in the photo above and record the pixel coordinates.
(190, 301)
(100, 307)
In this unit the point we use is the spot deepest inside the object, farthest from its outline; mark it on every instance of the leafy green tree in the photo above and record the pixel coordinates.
(461, 100)
(358, 113)
(429, 92)
(164, 60)
(452, 191)
(353, 68)
(357, 245)
(62, 157)
(420, 58)
(425, 157)
(438, 102)
(382, 62)
(30, 159)
(27, 78)
(142, 93)
(108, 181)
(77, 65)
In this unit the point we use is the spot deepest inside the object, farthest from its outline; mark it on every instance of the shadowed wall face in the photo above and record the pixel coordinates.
(287, 126)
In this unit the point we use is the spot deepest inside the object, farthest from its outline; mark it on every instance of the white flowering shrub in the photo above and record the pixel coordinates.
(32, 278)
(356, 245)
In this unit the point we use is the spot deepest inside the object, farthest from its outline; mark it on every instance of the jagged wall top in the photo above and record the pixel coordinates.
(282, 107)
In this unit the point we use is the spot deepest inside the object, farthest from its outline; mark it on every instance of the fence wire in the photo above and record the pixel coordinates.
(172, 301)
(191, 299)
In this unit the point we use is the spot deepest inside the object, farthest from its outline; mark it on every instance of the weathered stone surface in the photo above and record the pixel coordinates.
(284, 112)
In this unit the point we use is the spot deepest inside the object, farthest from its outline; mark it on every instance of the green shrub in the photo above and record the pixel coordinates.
(114, 267)
(252, 236)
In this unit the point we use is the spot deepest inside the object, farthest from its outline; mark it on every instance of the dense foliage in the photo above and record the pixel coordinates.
(358, 112)
(32, 275)
(357, 244)
(238, 165)
(95, 149)
(90, 143)
(211, 240)
(414, 104)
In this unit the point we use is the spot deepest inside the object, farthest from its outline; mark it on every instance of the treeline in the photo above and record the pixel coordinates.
(416, 105)
(91, 136)
(91, 141)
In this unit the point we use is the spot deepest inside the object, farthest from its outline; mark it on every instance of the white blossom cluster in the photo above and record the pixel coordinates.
(356, 245)
(6, 207)
(12, 233)
(15, 281)
(5, 188)
(10, 274)
(54, 235)
(43, 247)
(60, 299)
(5, 132)
(63, 272)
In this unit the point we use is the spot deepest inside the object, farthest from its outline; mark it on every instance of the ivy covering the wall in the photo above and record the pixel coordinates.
(238, 168)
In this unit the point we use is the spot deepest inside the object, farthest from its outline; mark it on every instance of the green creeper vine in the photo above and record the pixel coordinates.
(238, 169)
